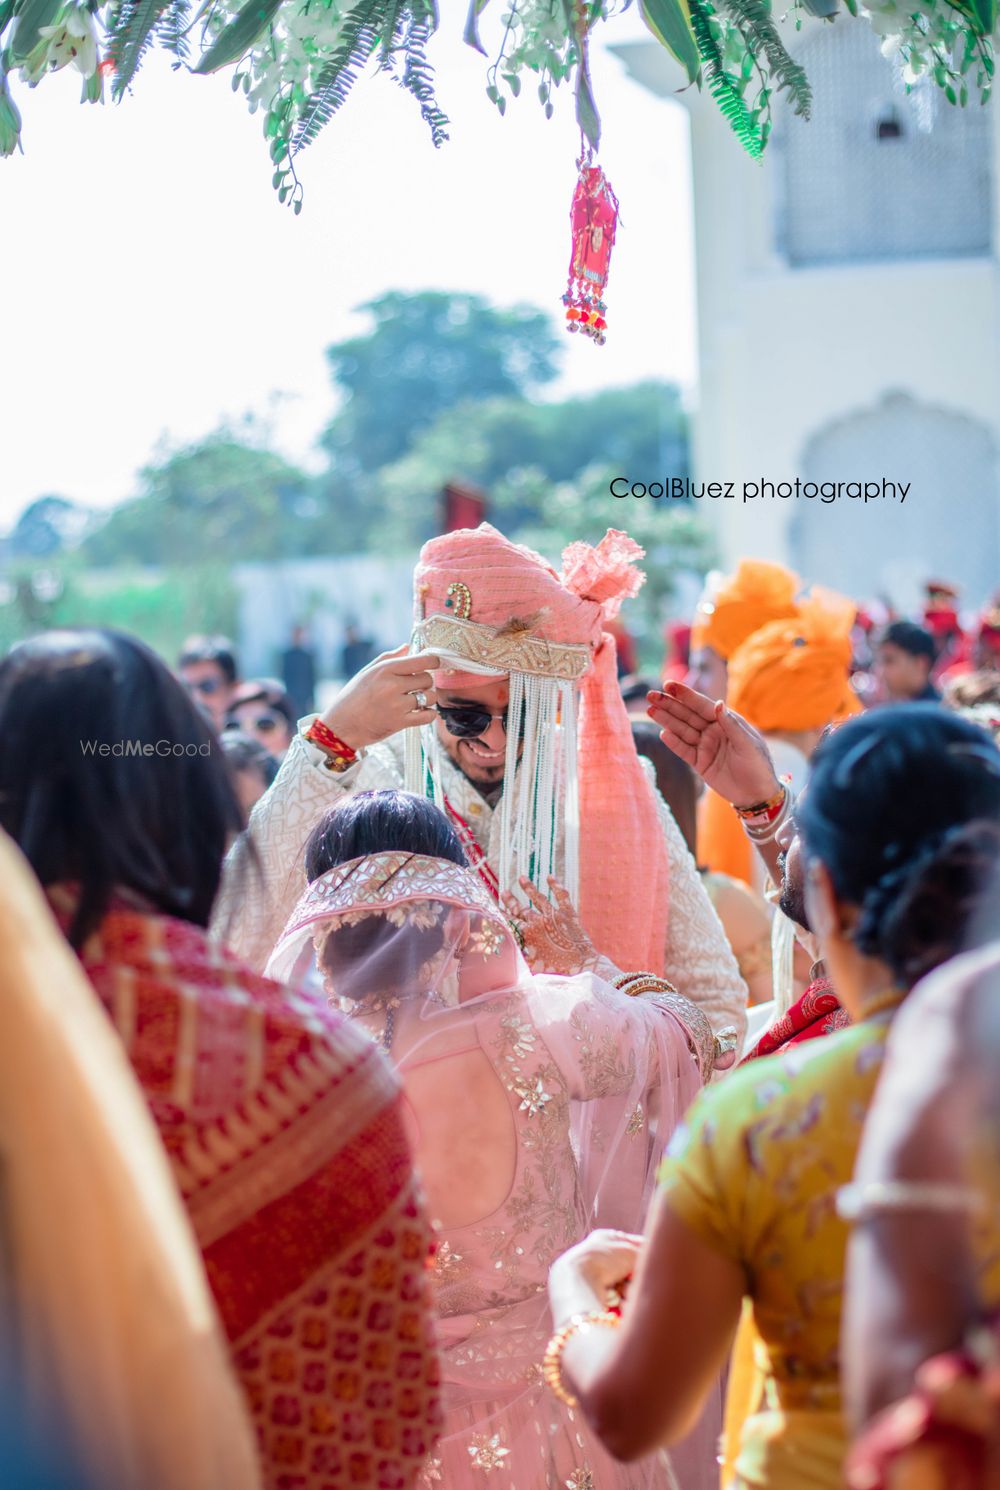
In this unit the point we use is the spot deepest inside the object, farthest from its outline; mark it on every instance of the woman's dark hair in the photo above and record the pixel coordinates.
(110, 777)
(903, 809)
(378, 823)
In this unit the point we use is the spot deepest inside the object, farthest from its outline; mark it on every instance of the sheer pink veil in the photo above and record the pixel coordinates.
(539, 1109)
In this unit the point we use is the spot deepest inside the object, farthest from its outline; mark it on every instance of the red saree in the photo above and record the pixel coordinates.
(818, 1012)
(283, 1127)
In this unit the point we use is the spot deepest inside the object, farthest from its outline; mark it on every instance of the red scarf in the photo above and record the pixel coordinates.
(818, 1012)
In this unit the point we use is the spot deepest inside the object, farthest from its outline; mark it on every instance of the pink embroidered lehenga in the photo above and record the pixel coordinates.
(538, 1108)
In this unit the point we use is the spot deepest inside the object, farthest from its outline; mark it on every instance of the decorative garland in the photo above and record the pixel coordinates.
(297, 60)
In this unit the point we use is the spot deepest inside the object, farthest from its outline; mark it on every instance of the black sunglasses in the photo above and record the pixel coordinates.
(469, 724)
(265, 723)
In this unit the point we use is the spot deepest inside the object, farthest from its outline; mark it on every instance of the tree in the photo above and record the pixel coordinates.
(520, 450)
(48, 526)
(222, 497)
(424, 354)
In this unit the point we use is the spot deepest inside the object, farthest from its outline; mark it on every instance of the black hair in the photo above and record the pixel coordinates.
(903, 809)
(244, 753)
(217, 649)
(376, 823)
(909, 637)
(110, 777)
(380, 823)
(675, 780)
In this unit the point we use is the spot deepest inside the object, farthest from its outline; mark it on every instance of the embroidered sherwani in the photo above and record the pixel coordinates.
(257, 900)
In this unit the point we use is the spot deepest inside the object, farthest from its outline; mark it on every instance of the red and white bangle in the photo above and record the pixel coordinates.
(339, 755)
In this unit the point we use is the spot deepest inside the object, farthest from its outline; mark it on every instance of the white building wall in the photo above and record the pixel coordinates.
(785, 352)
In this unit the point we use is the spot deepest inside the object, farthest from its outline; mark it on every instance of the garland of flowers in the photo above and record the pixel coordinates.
(296, 61)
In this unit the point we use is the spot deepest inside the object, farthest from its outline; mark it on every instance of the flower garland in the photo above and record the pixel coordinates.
(295, 61)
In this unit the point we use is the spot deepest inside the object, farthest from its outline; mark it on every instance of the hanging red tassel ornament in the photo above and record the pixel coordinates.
(593, 219)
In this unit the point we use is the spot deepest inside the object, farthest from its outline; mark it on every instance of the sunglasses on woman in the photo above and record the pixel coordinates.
(469, 724)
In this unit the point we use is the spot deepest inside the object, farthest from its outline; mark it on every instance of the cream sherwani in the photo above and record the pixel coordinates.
(256, 899)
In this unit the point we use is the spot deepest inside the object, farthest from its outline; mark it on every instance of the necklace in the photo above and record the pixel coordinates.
(387, 1004)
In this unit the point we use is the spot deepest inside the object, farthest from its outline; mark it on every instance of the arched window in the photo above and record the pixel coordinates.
(877, 173)
(949, 460)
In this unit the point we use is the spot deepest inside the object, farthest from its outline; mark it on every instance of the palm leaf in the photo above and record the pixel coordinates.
(131, 32)
(418, 76)
(753, 18)
(359, 38)
(728, 97)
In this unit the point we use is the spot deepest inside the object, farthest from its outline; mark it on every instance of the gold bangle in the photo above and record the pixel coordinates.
(552, 1360)
(633, 984)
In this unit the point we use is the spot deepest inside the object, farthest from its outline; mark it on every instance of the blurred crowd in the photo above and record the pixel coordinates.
(518, 1070)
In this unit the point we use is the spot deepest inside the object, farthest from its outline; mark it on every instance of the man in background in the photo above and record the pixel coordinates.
(905, 654)
(298, 672)
(210, 672)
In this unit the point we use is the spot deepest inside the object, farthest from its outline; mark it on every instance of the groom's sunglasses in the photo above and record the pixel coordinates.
(469, 724)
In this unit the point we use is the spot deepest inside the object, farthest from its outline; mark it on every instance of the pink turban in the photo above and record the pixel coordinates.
(501, 605)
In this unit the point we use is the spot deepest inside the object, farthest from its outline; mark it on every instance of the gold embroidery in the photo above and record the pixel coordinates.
(581, 1479)
(520, 653)
(487, 939)
(636, 1122)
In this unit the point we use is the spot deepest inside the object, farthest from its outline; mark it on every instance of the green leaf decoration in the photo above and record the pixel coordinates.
(764, 45)
(172, 29)
(240, 34)
(364, 28)
(418, 75)
(823, 10)
(471, 35)
(33, 15)
(671, 22)
(985, 12)
(721, 86)
(587, 116)
(131, 32)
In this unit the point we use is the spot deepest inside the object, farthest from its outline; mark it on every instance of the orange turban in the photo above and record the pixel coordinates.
(794, 674)
(757, 593)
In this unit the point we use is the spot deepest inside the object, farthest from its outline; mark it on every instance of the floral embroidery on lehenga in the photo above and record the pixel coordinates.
(487, 1452)
(581, 1479)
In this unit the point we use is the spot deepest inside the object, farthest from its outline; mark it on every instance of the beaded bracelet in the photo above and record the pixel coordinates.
(339, 755)
(552, 1360)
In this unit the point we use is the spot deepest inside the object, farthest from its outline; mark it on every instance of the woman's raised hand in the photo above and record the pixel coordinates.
(727, 753)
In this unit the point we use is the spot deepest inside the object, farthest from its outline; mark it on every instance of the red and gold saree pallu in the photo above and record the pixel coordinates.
(283, 1126)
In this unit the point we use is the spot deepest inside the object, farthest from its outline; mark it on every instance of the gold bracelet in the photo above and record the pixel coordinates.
(636, 983)
(551, 1362)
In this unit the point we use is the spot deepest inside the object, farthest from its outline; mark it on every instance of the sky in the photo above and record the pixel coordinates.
(152, 285)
